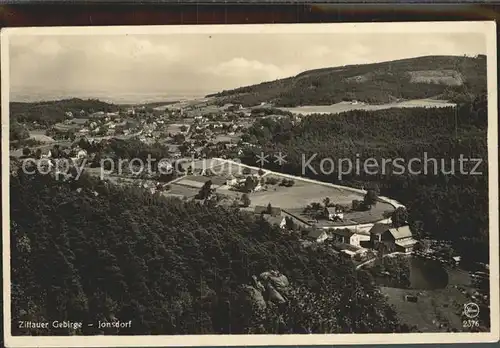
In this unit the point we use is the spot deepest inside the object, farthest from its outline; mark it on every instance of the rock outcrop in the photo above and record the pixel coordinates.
(268, 287)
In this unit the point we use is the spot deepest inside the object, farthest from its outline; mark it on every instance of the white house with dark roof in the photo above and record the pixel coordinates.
(318, 234)
(346, 236)
(399, 238)
(334, 213)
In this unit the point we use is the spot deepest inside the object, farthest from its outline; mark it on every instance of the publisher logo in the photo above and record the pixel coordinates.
(471, 310)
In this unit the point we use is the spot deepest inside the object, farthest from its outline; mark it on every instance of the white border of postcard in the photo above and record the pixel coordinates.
(487, 28)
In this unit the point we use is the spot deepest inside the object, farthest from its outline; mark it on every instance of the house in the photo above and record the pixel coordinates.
(333, 213)
(273, 211)
(396, 238)
(403, 239)
(348, 249)
(257, 187)
(164, 166)
(376, 233)
(229, 146)
(45, 153)
(231, 180)
(81, 154)
(98, 114)
(275, 220)
(319, 235)
(345, 236)
(79, 121)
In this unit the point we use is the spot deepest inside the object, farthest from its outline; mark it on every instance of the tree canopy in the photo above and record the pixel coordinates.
(90, 250)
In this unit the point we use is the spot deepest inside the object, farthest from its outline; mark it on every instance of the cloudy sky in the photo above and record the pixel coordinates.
(155, 67)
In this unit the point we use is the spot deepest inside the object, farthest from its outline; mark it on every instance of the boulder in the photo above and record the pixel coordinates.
(264, 276)
(254, 296)
(274, 295)
(279, 281)
(257, 284)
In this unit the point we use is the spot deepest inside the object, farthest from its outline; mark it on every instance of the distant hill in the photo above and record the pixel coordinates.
(454, 78)
(51, 112)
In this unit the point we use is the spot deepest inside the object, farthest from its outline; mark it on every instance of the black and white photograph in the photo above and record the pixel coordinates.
(250, 184)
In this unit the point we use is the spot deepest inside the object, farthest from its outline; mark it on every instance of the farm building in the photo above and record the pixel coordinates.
(273, 211)
(399, 239)
(334, 213)
(275, 220)
(318, 235)
(345, 236)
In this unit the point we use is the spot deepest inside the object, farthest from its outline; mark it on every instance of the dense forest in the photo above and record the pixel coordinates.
(85, 250)
(446, 77)
(445, 206)
(51, 112)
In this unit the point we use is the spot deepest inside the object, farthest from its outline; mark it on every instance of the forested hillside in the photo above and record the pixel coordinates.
(83, 250)
(446, 206)
(51, 112)
(446, 77)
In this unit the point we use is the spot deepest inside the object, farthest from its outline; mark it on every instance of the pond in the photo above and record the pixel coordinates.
(424, 275)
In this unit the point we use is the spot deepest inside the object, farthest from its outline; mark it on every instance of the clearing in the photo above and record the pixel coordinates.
(435, 310)
(349, 106)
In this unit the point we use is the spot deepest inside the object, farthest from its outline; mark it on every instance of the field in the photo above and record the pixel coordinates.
(294, 199)
(175, 128)
(197, 181)
(447, 77)
(181, 190)
(227, 138)
(436, 310)
(200, 164)
(39, 135)
(348, 106)
(302, 194)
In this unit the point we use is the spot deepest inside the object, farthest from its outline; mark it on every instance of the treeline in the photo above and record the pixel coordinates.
(444, 205)
(371, 83)
(51, 112)
(87, 250)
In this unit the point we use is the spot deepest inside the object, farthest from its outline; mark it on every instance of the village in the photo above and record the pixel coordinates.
(204, 142)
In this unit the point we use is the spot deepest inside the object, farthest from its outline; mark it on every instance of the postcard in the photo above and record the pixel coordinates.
(230, 185)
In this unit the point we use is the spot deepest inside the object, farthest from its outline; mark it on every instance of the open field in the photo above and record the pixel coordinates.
(436, 310)
(227, 138)
(197, 181)
(39, 135)
(447, 77)
(293, 199)
(175, 128)
(181, 190)
(302, 194)
(200, 164)
(348, 106)
(226, 168)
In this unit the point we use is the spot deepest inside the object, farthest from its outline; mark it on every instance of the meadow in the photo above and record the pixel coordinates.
(349, 106)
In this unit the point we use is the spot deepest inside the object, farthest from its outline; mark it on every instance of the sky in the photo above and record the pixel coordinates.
(156, 67)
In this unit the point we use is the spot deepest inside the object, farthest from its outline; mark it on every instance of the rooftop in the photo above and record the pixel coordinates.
(379, 228)
(316, 233)
(260, 209)
(273, 220)
(343, 232)
(407, 242)
(400, 232)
